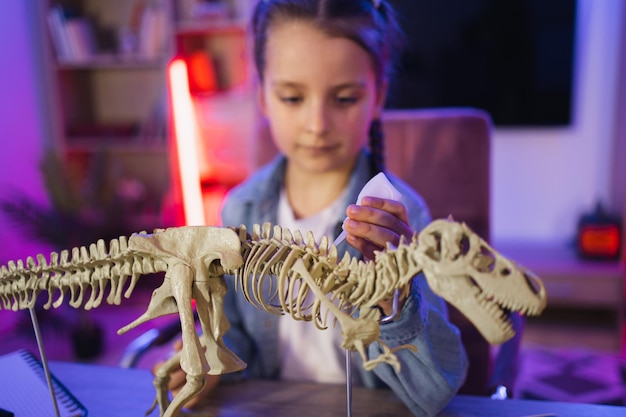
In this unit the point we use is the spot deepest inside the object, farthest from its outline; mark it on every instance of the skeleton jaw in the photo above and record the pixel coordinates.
(483, 285)
(515, 290)
(489, 317)
(488, 311)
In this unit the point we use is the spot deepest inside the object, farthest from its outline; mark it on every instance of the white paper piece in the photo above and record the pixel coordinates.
(380, 187)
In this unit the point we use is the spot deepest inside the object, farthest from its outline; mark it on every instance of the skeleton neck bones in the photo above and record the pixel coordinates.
(456, 263)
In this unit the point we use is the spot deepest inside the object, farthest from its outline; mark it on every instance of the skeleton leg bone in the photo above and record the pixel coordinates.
(175, 295)
(192, 360)
(209, 296)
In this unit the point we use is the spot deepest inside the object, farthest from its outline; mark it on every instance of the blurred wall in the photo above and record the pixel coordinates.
(21, 128)
(543, 179)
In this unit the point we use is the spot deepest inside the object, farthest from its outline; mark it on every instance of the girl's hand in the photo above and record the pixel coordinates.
(374, 223)
(178, 378)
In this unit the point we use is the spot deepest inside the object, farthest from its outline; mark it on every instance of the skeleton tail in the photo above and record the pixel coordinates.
(84, 274)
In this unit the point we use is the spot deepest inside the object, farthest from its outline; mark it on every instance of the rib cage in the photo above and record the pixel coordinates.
(269, 255)
(271, 252)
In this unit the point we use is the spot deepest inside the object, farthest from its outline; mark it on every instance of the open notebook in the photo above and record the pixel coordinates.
(24, 391)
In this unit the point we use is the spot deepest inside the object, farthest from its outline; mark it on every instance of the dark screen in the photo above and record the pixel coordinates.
(512, 58)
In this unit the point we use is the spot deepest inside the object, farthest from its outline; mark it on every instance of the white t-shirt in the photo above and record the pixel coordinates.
(307, 353)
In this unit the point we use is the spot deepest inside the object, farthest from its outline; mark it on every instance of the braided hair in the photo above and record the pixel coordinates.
(372, 24)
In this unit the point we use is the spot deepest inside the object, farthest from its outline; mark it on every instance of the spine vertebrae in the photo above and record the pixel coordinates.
(81, 271)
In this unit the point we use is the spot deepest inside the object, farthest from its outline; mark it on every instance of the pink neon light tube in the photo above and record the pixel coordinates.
(185, 139)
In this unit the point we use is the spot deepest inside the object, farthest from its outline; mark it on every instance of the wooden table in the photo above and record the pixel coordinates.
(110, 391)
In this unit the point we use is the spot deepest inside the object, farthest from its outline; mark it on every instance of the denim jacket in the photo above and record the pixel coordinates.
(428, 378)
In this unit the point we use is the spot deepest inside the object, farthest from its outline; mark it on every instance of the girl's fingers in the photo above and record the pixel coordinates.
(372, 233)
(374, 223)
(177, 380)
(210, 382)
(366, 247)
(178, 345)
(395, 208)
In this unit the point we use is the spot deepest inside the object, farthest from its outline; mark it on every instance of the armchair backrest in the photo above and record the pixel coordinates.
(444, 154)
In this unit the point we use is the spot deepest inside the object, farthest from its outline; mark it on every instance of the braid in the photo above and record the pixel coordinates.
(377, 146)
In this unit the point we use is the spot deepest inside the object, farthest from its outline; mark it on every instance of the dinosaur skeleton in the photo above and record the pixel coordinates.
(457, 264)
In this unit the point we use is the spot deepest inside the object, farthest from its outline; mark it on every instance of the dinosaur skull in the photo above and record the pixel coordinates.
(482, 284)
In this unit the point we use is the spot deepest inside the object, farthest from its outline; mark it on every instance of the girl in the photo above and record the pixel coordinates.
(323, 68)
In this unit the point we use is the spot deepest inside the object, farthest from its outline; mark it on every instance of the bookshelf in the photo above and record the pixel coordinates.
(106, 67)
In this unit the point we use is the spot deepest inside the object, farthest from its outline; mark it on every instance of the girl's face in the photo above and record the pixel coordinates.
(319, 95)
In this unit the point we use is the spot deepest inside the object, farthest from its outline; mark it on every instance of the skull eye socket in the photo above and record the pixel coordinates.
(433, 243)
(464, 245)
(484, 261)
